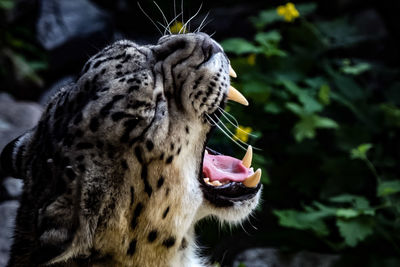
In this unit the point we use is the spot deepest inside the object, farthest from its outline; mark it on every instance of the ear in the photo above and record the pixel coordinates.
(11, 158)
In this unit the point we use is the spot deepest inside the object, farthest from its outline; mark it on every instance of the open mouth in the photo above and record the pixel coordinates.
(226, 180)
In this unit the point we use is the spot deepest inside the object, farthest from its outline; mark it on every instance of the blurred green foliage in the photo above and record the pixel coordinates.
(20, 58)
(328, 134)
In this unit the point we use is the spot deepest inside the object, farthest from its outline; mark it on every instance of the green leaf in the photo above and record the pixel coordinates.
(391, 113)
(268, 38)
(302, 221)
(348, 87)
(323, 122)
(357, 201)
(308, 123)
(360, 152)
(388, 188)
(355, 230)
(239, 46)
(356, 69)
(6, 4)
(295, 108)
(265, 17)
(272, 107)
(324, 94)
(306, 8)
(347, 213)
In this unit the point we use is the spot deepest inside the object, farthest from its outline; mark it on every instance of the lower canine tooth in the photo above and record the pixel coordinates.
(248, 157)
(206, 180)
(253, 180)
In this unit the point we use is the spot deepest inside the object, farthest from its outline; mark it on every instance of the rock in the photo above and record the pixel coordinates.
(13, 186)
(16, 117)
(72, 31)
(270, 257)
(8, 211)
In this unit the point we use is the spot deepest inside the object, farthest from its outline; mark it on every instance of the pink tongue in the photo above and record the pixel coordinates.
(224, 168)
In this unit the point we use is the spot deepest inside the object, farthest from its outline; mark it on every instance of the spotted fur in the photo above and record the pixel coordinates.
(112, 170)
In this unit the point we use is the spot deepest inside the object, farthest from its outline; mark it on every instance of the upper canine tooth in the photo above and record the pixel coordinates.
(248, 157)
(232, 73)
(235, 95)
(253, 180)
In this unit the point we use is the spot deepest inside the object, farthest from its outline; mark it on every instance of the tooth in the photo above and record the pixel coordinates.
(206, 180)
(232, 73)
(248, 157)
(252, 181)
(216, 183)
(235, 95)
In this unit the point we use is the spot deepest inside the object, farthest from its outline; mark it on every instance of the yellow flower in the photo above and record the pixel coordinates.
(251, 59)
(288, 12)
(242, 133)
(177, 27)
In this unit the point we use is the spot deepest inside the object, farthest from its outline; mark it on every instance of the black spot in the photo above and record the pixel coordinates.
(184, 244)
(179, 150)
(133, 88)
(79, 133)
(172, 146)
(167, 191)
(160, 182)
(124, 164)
(138, 154)
(132, 195)
(121, 80)
(84, 145)
(132, 247)
(187, 129)
(136, 214)
(94, 124)
(149, 145)
(99, 144)
(131, 80)
(212, 83)
(104, 110)
(143, 175)
(103, 71)
(152, 236)
(169, 159)
(78, 118)
(81, 167)
(162, 156)
(165, 212)
(70, 174)
(118, 66)
(129, 126)
(169, 242)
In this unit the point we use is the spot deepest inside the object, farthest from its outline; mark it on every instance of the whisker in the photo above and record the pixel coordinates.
(232, 134)
(162, 13)
(236, 124)
(184, 26)
(174, 8)
(183, 21)
(223, 131)
(172, 21)
(211, 35)
(208, 22)
(205, 17)
(140, 7)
